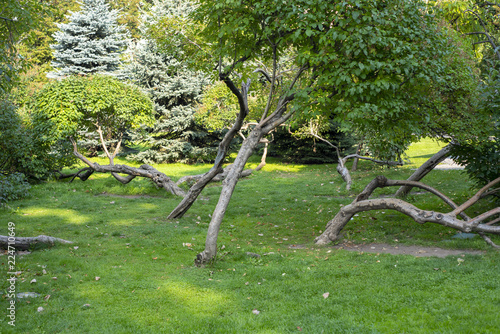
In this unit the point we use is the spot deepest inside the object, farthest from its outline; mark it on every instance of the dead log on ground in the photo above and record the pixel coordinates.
(24, 243)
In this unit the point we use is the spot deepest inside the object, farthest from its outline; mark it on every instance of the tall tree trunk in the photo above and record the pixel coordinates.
(423, 170)
(198, 187)
(228, 186)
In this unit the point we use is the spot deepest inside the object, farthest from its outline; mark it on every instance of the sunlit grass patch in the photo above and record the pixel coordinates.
(130, 269)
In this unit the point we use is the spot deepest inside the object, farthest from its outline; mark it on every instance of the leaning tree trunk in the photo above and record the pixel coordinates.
(356, 160)
(481, 224)
(197, 188)
(423, 170)
(228, 186)
(24, 243)
(192, 179)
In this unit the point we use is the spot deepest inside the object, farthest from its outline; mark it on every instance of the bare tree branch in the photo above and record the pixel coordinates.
(362, 203)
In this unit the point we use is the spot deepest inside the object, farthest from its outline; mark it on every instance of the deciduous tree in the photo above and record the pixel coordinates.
(379, 68)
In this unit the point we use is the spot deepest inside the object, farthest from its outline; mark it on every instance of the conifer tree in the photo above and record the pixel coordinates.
(91, 42)
(175, 91)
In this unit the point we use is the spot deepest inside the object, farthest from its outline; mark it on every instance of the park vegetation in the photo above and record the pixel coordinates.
(141, 135)
(384, 73)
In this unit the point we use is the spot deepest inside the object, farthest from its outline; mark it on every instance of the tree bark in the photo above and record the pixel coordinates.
(356, 160)
(423, 170)
(264, 154)
(83, 174)
(362, 203)
(219, 177)
(24, 243)
(197, 188)
(161, 180)
(228, 186)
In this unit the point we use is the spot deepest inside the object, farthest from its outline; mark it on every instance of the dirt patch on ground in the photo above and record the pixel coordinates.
(407, 250)
(128, 196)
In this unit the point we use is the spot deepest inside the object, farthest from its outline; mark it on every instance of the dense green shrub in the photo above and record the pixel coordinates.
(481, 157)
(22, 148)
(309, 150)
(13, 186)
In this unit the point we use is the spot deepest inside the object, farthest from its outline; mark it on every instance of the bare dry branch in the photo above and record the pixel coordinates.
(362, 203)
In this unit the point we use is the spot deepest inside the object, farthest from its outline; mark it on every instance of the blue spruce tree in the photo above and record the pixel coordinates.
(91, 42)
(175, 91)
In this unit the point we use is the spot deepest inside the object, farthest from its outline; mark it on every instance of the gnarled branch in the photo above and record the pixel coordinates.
(362, 203)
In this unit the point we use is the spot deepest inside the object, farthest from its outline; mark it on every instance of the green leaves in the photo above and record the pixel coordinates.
(68, 105)
(372, 65)
(17, 19)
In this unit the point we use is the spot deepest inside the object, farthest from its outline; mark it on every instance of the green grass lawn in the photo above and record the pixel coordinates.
(130, 270)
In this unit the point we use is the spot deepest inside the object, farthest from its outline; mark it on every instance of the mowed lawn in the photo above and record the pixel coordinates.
(130, 270)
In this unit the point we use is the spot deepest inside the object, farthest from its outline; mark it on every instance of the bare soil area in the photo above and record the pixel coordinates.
(407, 250)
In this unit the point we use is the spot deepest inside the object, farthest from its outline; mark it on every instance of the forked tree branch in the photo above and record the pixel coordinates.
(362, 203)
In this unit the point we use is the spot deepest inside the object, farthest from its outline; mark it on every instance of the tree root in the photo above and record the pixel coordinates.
(24, 243)
(480, 224)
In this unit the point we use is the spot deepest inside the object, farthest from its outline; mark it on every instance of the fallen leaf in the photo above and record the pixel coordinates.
(33, 281)
(300, 329)
(326, 295)
(47, 297)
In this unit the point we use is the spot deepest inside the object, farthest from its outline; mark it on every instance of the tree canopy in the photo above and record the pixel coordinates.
(18, 18)
(386, 69)
(96, 102)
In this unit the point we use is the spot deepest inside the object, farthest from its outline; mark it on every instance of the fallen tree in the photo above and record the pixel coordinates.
(25, 243)
(482, 224)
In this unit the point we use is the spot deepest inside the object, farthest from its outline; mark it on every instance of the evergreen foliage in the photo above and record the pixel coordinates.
(91, 42)
(175, 91)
